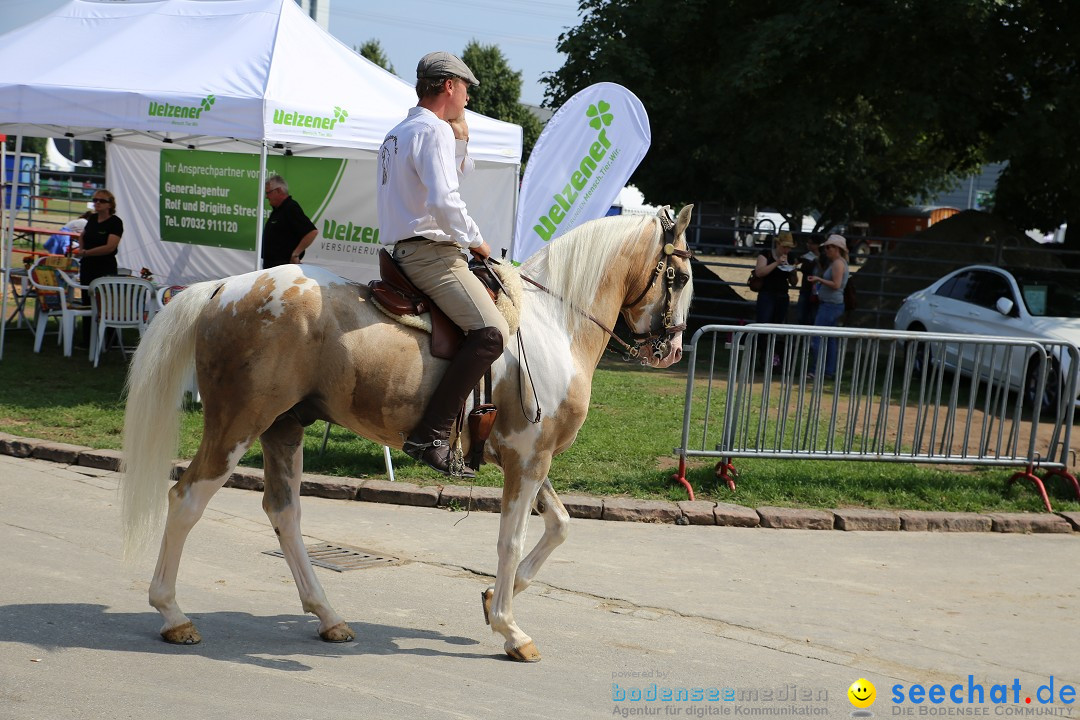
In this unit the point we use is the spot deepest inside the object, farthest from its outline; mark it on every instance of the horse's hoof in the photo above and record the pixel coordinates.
(485, 599)
(185, 634)
(338, 634)
(525, 653)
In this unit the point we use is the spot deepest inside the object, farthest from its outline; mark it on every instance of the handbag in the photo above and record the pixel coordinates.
(754, 282)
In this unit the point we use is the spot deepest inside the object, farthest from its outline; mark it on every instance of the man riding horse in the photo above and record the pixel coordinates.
(422, 215)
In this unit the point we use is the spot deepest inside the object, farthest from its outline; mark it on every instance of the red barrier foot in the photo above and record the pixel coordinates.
(680, 477)
(1039, 487)
(1069, 478)
(725, 472)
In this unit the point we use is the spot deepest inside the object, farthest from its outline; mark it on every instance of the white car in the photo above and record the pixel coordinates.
(1024, 303)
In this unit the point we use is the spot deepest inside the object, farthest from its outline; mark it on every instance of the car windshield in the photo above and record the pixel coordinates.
(1049, 294)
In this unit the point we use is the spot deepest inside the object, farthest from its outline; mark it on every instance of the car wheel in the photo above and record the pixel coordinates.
(1051, 391)
(860, 253)
(922, 352)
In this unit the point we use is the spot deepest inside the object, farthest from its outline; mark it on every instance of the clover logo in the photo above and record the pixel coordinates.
(207, 102)
(339, 114)
(599, 114)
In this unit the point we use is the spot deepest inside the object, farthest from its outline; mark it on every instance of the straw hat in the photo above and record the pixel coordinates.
(837, 240)
(785, 240)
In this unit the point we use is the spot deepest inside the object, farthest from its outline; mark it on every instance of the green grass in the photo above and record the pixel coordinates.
(625, 447)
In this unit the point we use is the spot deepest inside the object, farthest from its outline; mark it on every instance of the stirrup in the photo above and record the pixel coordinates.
(455, 462)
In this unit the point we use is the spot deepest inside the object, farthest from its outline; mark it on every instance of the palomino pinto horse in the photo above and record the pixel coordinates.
(276, 349)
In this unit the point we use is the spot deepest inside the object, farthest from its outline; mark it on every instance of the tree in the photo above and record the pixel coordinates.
(840, 106)
(1040, 187)
(373, 51)
(29, 145)
(499, 92)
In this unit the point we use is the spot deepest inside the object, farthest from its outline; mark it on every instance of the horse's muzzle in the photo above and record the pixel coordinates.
(672, 355)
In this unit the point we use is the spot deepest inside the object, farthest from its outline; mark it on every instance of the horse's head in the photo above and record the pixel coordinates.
(657, 315)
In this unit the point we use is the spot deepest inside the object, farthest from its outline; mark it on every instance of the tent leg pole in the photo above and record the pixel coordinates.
(8, 243)
(260, 203)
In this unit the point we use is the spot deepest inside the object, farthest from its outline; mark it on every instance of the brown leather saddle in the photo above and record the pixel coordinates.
(398, 296)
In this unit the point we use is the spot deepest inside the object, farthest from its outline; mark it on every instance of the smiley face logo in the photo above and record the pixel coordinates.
(862, 693)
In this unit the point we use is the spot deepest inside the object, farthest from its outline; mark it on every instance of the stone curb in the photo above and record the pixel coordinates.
(795, 518)
(484, 499)
(866, 519)
(630, 510)
(684, 512)
(930, 521)
(399, 493)
(1029, 523)
(101, 459)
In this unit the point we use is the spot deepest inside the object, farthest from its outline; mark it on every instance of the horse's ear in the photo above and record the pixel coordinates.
(683, 221)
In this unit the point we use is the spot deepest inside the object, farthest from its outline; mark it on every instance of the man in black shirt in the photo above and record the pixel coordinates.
(288, 231)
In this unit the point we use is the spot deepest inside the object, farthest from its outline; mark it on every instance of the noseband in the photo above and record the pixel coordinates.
(660, 340)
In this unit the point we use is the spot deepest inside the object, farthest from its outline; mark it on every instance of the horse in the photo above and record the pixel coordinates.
(276, 349)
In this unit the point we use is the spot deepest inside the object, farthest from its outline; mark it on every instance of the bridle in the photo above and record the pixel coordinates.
(660, 340)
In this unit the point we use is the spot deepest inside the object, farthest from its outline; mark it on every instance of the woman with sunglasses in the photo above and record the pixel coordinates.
(98, 244)
(100, 239)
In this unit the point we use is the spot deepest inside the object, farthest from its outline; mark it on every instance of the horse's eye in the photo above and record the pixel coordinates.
(680, 280)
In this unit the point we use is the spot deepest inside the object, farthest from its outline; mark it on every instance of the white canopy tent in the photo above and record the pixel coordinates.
(224, 75)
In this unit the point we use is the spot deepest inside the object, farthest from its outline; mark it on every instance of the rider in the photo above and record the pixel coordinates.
(423, 216)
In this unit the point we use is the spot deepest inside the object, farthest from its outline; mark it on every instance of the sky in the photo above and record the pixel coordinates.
(525, 30)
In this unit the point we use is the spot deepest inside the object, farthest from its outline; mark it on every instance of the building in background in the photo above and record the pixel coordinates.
(317, 10)
(974, 192)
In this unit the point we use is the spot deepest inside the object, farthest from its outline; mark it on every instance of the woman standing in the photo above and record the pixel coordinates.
(777, 276)
(98, 245)
(830, 291)
(100, 239)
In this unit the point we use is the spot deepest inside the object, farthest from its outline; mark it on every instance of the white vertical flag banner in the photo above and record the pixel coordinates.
(587, 152)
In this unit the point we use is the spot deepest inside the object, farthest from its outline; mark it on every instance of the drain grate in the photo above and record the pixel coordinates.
(340, 558)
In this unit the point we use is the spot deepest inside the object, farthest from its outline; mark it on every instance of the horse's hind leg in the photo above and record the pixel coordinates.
(283, 460)
(208, 471)
(556, 528)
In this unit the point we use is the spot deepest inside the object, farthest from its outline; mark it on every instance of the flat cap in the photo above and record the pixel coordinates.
(443, 64)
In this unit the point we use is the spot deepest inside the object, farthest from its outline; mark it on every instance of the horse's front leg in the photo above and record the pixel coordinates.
(283, 461)
(519, 490)
(556, 528)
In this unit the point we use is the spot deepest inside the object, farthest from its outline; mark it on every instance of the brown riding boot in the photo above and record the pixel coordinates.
(429, 441)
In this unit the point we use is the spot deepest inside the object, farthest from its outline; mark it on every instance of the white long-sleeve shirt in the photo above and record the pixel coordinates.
(417, 181)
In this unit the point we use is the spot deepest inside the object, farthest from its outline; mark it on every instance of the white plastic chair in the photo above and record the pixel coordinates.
(119, 302)
(165, 294)
(55, 297)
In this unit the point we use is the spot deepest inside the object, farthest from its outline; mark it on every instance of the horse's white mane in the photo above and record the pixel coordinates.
(573, 265)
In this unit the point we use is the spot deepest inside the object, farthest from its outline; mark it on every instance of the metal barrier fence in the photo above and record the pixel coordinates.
(890, 397)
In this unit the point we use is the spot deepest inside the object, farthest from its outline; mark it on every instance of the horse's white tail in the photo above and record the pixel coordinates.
(155, 387)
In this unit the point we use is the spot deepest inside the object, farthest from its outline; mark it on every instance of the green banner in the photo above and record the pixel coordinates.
(209, 198)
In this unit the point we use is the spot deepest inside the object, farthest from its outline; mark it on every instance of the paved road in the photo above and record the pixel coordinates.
(776, 613)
